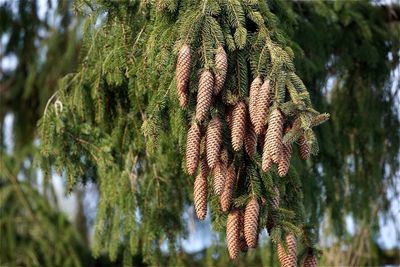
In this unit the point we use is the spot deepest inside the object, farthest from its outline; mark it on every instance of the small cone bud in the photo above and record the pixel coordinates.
(288, 258)
(253, 98)
(214, 139)
(304, 148)
(182, 74)
(238, 125)
(232, 234)
(251, 222)
(310, 261)
(250, 140)
(221, 63)
(262, 107)
(219, 177)
(200, 192)
(273, 138)
(226, 196)
(204, 95)
(193, 148)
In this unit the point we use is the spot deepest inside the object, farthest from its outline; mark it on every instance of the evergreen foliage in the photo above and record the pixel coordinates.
(116, 121)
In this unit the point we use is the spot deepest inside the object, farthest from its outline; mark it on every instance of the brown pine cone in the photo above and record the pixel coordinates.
(250, 140)
(219, 177)
(200, 196)
(304, 148)
(262, 107)
(182, 74)
(242, 241)
(253, 98)
(310, 261)
(288, 258)
(284, 161)
(214, 139)
(193, 148)
(275, 198)
(266, 163)
(204, 95)
(221, 63)
(204, 169)
(251, 222)
(226, 196)
(232, 234)
(273, 137)
(238, 125)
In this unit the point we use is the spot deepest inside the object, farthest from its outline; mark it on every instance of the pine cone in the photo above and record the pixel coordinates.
(193, 148)
(221, 63)
(182, 74)
(238, 125)
(226, 196)
(232, 234)
(266, 163)
(310, 261)
(242, 241)
(200, 196)
(274, 205)
(228, 117)
(284, 161)
(253, 98)
(204, 170)
(262, 107)
(288, 258)
(275, 198)
(304, 148)
(250, 140)
(204, 95)
(273, 138)
(219, 177)
(251, 222)
(214, 139)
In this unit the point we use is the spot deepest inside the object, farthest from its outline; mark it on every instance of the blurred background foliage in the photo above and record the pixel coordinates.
(347, 53)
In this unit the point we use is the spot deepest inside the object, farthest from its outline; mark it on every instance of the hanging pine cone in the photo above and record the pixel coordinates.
(262, 107)
(310, 261)
(251, 222)
(242, 241)
(274, 202)
(284, 161)
(182, 74)
(204, 169)
(228, 117)
(219, 177)
(200, 196)
(266, 163)
(221, 63)
(238, 125)
(275, 198)
(304, 148)
(253, 98)
(273, 138)
(226, 196)
(232, 234)
(214, 139)
(204, 95)
(288, 258)
(250, 140)
(193, 148)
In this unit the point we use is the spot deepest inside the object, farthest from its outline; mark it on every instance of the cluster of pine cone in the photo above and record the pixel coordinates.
(247, 122)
